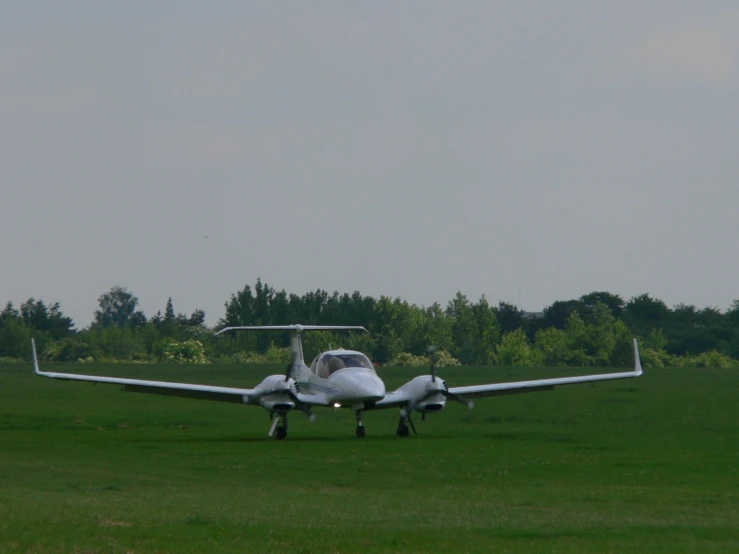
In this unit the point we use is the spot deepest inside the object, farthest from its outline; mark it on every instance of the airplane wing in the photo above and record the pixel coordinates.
(497, 389)
(402, 396)
(206, 392)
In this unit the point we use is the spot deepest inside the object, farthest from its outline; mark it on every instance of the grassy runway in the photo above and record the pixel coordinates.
(647, 465)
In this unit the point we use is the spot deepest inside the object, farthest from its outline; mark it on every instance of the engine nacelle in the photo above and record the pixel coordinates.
(277, 403)
(432, 405)
(430, 390)
(275, 393)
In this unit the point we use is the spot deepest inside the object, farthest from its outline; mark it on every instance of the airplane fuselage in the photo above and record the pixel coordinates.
(348, 386)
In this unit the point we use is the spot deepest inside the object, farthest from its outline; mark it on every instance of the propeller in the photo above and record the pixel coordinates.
(469, 403)
(432, 357)
(405, 413)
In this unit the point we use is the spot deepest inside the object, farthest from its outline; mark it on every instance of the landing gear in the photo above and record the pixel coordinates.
(279, 426)
(360, 427)
(403, 425)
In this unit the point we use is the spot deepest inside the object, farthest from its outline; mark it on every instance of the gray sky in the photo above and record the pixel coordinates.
(401, 148)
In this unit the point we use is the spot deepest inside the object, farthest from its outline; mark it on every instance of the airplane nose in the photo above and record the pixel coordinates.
(358, 385)
(371, 389)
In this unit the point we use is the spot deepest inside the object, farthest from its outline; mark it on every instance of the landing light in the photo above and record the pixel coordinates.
(337, 405)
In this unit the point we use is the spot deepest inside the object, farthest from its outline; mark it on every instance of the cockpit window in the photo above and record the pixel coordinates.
(328, 363)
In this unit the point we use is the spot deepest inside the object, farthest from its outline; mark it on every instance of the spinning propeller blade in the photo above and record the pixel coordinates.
(469, 403)
(432, 356)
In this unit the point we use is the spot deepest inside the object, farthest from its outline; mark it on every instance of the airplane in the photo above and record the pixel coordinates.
(338, 379)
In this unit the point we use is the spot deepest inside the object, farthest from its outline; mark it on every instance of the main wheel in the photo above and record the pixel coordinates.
(360, 431)
(281, 432)
(402, 430)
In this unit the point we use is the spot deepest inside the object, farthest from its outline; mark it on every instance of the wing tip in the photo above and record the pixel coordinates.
(36, 369)
(637, 360)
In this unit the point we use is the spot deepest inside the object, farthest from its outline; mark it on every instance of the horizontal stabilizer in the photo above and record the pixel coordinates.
(296, 328)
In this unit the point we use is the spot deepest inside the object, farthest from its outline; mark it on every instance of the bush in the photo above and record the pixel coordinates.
(443, 359)
(651, 358)
(273, 355)
(276, 355)
(68, 350)
(186, 352)
(406, 359)
(709, 359)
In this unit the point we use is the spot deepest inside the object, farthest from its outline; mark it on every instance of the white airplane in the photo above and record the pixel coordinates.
(335, 379)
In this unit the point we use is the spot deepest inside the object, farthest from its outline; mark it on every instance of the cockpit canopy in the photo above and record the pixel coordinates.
(331, 362)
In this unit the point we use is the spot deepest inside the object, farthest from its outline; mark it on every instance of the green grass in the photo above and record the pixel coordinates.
(646, 465)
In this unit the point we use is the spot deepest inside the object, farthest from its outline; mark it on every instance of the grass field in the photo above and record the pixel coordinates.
(649, 465)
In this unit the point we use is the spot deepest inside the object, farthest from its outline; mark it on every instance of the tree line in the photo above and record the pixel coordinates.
(593, 330)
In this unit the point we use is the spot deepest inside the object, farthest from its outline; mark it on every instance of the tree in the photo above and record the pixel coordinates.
(656, 340)
(169, 311)
(488, 332)
(118, 308)
(622, 353)
(433, 327)
(240, 309)
(732, 313)
(8, 313)
(46, 319)
(464, 328)
(15, 339)
(60, 326)
(514, 350)
(559, 313)
(509, 317)
(553, 345)
(613, 301)
(35, 314)
(646, 310)
(578, 340)
(602, 335)
(197, 319)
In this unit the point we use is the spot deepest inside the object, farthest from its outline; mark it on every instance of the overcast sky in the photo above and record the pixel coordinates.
(393, 147)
